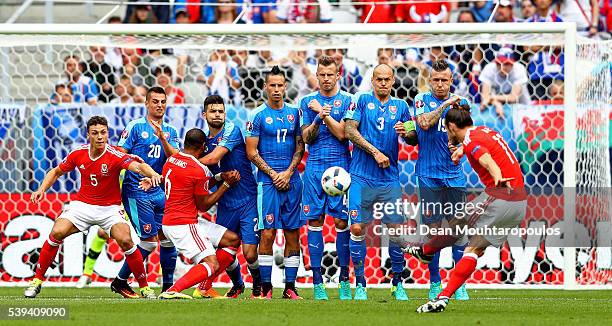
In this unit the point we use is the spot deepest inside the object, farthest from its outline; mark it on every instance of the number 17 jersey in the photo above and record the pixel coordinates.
(276, 130)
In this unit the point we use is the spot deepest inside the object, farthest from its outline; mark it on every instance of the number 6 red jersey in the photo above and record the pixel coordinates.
(100, 176)
(184, 178)
(481, 140)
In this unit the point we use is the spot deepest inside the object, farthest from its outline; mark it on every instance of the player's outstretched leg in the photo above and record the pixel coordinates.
(120, 284)
(97, 245)
(225, 257)
(315, 248)
(398, 262)
(357, 247)
(61, 229)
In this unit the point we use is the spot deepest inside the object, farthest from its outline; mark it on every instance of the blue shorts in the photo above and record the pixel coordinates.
(366, 200)
(315, 202)
(279, 209)
(145, 211)
(439, 198)
(241, 220)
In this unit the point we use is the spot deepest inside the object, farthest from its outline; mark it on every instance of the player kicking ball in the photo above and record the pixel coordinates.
(98, 202)
(323, 131)
(186, 183)
(502, 205)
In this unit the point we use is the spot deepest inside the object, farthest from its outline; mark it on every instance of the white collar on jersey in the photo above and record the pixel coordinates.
(89, 152)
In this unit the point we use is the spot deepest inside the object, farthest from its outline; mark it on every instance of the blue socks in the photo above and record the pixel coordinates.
(434, 265)
(265, 268)
(315, 248)
(344, 254)
(233, 271)
(291, 268)
(167, 260)
(458, 252)
(398, 262)
(358, 253)
(434, 269)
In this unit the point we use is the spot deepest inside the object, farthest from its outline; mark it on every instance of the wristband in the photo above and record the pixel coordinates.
(218, 177)
(317, 120)
(226, 184)
(409, 126)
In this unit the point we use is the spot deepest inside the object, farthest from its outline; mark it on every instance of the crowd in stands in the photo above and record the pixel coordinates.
(491, 75)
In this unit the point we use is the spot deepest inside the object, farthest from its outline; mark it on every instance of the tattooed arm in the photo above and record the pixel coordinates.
(253, 156)
(350, 129)
(282, 181)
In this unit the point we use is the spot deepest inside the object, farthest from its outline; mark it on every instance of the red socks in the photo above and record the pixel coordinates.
(438, 243)
(47, 256)
(195, 275)
(225, 257)
(134, 260)
(463, 270)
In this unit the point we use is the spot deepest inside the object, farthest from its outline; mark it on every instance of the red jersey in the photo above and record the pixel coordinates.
(383, 13)
(100, 176)
(184, 178)
(481, 140)
(418, 12)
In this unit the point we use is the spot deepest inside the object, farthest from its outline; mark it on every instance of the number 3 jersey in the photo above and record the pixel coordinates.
(276, 130)
(434, 156)
(376, 125)
(99, 176)
(139, 139)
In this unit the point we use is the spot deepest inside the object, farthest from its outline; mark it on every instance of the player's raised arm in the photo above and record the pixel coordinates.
(169, 149)
(146, 170)
(336, 127)
(310, 127)
(47, 182)
(215, 156)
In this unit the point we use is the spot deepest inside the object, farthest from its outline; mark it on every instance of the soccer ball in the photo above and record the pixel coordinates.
(335, 181)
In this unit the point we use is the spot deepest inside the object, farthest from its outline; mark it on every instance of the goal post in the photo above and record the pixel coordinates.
(38, 127)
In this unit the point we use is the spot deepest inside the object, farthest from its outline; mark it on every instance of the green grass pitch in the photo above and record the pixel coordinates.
(98, 306)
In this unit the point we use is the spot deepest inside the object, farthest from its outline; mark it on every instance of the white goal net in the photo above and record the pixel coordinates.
(558, 125)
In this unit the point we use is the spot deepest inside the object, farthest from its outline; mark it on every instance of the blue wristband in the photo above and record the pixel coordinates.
(318, 120)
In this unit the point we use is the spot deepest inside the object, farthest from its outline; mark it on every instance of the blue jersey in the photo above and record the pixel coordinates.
(139, 139)
(276, 130)
(434, 157)
(376, 125)
(327, 150)
(230, 137)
